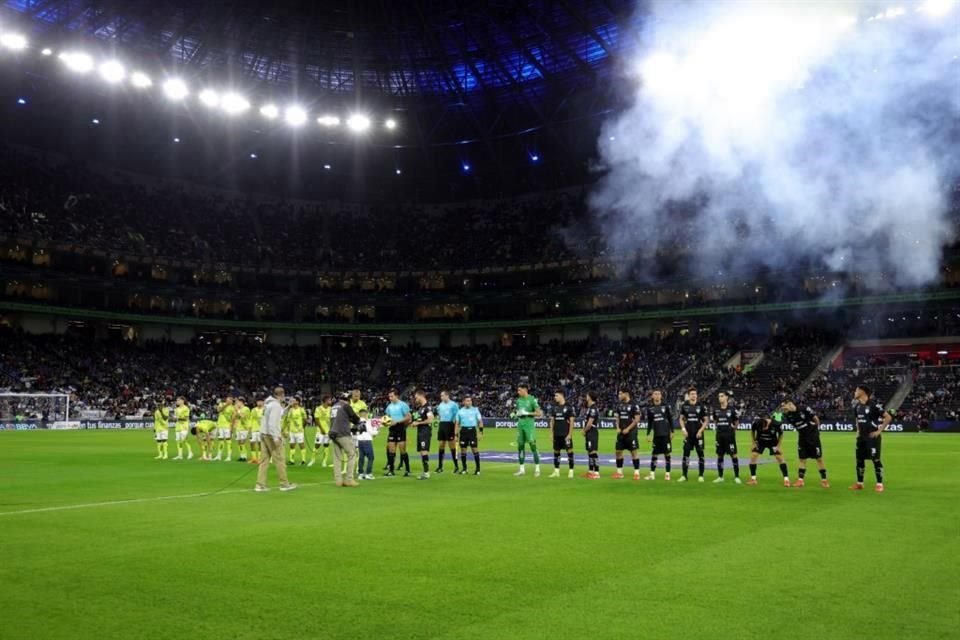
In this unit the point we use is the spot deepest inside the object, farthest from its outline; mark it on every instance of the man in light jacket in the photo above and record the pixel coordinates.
(272, 443)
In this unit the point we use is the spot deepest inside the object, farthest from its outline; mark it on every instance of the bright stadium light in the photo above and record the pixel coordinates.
(390, 124)
(77, 61)
(270, 111)
(13, 41)
(234, 103)
(46, 51)
(295, 115)
(112, 71)
(210, 98)
(140, 80)
(175, 89)
(937, 8)
(329, 120)
(358, 122)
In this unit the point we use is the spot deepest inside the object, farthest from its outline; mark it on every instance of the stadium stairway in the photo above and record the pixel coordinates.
(822, 367)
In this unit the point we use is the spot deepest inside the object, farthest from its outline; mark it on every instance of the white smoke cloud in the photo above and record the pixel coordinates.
(772, 134)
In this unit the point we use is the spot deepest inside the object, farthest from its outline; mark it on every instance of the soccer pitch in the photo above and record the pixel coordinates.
(102, 541)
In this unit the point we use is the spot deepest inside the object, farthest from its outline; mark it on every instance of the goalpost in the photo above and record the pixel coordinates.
(52, 407)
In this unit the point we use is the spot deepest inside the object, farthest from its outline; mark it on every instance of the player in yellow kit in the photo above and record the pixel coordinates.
(296, 419)
(181, 417)
(256, 415)
(205, 431)
(161, 430)
(226, 412)
(242, 420)
(321, 417)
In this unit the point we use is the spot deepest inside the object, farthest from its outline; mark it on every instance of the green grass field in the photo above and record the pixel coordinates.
(470, 557)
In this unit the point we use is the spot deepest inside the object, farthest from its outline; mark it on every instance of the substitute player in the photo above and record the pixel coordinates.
(447, 432)
(726, 419)
(660, 424)
(256, 418)
(807, 424)
(321, 417)
(399, 417)
(242, 428)
(422, 418)
(693, 424)
(225, 414)
(871, 421)
(562, 418)
(767, 435)
(469, 430)
(295, 418)
(591, 435)
(181, 416)
(161, 429)
(527, 410)
(628, 418)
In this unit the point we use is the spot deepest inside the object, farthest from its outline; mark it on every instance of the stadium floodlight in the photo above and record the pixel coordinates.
(175, 89)
(937, 8)
(327, 167)
(210, 98)
(390, 124)
(234, 104)
(21, 101)
(140, 80)
(46, 51)
(329, 120)
(399, 172)
(269, 111)
(13, 41)
(295, 115)
(77, 61)
(112, 71)
(358, 122)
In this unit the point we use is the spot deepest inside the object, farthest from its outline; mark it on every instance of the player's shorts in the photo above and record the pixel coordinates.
(661, 446)
(591, 439)
(255, 437)
(526, 434)
(161, 436)
(772, 447)
(809, 450)
(446, 432)
(561, 443)
(397, 433)
(243, 435)
(468, 437)
(868, 448)
(223, 434)
(321, 439)
(297, 437)
(424, 435)
(726, 445)
(692, 444)
(182, 435)
(627, 442)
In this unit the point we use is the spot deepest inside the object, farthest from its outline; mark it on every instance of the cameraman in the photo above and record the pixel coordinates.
(343, 422)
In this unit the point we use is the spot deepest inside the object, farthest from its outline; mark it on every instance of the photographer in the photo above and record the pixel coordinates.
(344, 421)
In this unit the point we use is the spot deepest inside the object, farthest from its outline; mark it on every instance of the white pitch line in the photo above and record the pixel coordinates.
(110, 503)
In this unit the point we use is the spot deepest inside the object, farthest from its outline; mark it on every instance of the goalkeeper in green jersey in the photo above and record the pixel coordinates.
(161, 430)
(181, 417)
(226, 412)
(527, 410)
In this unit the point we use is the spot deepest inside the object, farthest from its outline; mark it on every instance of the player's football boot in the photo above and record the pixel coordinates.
(856, 486)
(879, 488)
(786, 482)
(752, 481)
(825, 483)
(555, 474)
(799, 483)
(617, 475)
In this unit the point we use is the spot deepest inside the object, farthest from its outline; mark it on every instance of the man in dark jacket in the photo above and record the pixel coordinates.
(343, 421)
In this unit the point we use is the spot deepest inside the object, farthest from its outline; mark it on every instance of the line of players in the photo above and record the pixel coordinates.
(463, 425)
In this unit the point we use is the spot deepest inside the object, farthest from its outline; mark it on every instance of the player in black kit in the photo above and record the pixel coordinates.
(422, 419)
(871, 421)
(591, 435)
(660, 423)
(628, 417)
(726, 419)
(562, 417)
(693, 424)
(767, 434)
(807, 424)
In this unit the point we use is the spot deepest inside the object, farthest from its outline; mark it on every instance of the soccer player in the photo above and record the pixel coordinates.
(205, 430)
(181, 415)
(767, 434)
(256, 417)
(242, 429)
(591, 435)
(660, 424)
(807, 424)
(422, 418)
(628, 417)
(528, 409)
(725, 420)
(693, 423)
(225, 414)
(447, 433)
(321, 417)
(161, 430)
(296, 419)
(562, 417)
(399, 414)
(467, 423)
(871, 421)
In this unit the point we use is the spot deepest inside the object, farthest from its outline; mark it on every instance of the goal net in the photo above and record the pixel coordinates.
(45, 409)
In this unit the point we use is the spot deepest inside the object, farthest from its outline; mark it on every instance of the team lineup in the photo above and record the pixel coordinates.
(345, 425)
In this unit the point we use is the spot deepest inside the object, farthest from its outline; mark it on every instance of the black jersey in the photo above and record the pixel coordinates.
(626, 412)
(659, 420)
(419, 414)
(725, 421)
(770, 434)
(694, 414)
(592, 412)
(561, 413)
(868, 419)
(804, 421)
